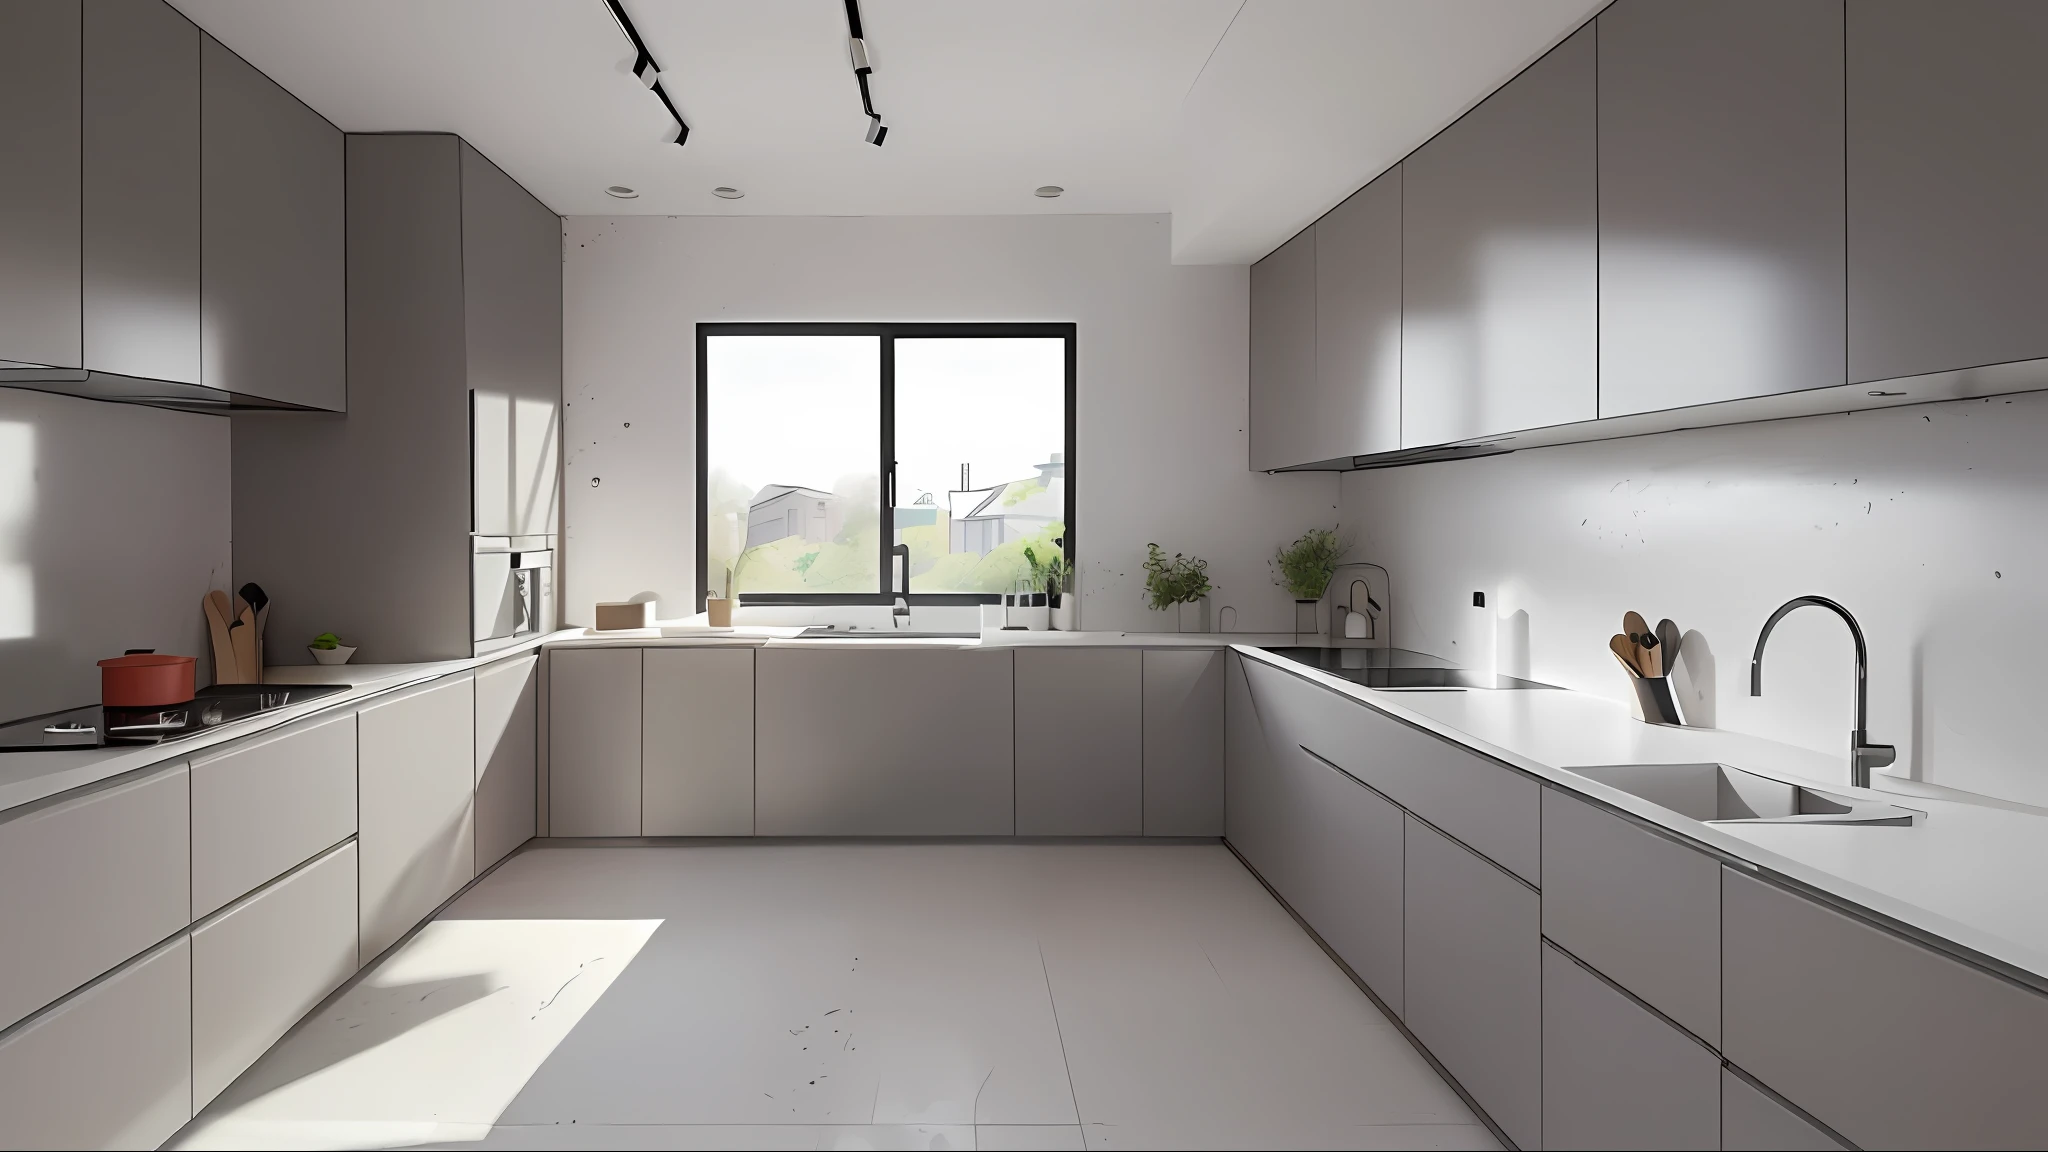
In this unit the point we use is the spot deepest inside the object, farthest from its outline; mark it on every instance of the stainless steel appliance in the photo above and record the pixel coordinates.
(97, 726)
(514, 591)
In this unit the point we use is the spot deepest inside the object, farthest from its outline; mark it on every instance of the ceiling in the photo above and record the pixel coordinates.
(1244, 118)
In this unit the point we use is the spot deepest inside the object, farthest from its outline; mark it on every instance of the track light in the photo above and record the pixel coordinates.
(649, 73)
(857, 52)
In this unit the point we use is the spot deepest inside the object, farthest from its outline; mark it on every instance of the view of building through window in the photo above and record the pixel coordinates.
(793, 461)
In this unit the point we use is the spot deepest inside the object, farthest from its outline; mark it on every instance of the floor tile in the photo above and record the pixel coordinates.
(1374, 1137)
(1029, 1138)
(689, 1137)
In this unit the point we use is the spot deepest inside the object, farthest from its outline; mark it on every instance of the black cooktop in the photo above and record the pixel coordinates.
(1397, 670)
(95, 726)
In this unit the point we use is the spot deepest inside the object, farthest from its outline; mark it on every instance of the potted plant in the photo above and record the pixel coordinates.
(1176, 581)
(1057, 578)
(327, 648)
(1304, 568)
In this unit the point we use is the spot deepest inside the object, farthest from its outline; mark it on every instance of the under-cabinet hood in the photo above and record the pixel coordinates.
(119, 389)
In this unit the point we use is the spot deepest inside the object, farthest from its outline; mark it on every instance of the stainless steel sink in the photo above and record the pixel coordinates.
(1718, 794)
(837, 632)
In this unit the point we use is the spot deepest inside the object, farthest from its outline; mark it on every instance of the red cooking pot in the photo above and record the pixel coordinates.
(146, 680)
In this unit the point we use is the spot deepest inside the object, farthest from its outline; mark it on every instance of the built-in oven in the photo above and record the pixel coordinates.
(514, 594)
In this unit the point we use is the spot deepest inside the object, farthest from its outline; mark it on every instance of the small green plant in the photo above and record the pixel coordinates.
(1051, 574)
(326, 641)
(1304, 567)
(1174, 580)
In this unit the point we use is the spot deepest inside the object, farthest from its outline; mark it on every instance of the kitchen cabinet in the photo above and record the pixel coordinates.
(1080, 742)
(1722, 201)
(1615, 1075)
(140, 246)
(697, 742)
(506, 750)
(1283, 354)
(1835, 1014)
(883, 742)
(1638, 906)
(416, 768)
(267, 961)
(264, 806)
(512, 337)
(594, 729)
(1947, 172)
(1183, 738)
(88, 880)
(273, 239)
(1355, 407)
(1472, 970)
(108, 1068)
(1500, 267)
(1754, 1121)
(40, 110)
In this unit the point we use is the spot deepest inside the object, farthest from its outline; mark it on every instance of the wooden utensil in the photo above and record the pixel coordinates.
(225, 670)
(1624, 650)
(1639, 635)
(243, 633)
(1668, 640)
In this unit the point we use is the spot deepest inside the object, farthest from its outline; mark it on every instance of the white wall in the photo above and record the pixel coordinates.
(1930, 523)
(1161, 362)
(113, 527)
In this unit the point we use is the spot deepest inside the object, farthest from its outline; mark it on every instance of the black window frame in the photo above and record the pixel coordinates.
(889, 334)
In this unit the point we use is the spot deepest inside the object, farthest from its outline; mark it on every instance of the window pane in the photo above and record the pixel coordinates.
(980, 467)
(792, 445)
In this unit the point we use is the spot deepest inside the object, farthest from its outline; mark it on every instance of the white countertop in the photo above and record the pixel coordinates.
(1970, 872)
(763, 637)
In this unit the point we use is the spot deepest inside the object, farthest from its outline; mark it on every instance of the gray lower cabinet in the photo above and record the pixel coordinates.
(1721, 201)
(507, 736)
(1355, 406)
(39, 200)
(1473, 980)
(697, 742)
(267, 805)
(1642, 908)
(1615, 1074)
(1752, 1120)
(884, 742)
(1283, 354)
(1183, 709)
(416, 776)
(1500, 264)
(1947, 172)
(1080, 742)
(594, 732)
(1884, 1040)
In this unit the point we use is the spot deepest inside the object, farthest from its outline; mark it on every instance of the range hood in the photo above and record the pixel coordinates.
(118, 389)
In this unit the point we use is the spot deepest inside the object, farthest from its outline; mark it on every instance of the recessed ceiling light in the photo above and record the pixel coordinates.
(1048, 191)
(622, 192)
(725, 193)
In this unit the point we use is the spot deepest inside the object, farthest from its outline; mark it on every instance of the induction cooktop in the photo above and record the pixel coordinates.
(95, 726)
(1396, 670)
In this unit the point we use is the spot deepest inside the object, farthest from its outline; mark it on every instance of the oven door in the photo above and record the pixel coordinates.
(494, 600)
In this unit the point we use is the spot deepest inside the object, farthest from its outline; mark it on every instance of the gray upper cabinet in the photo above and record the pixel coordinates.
(1355, 406)
(1948, 170)
(39, 198)
(274, 239)
(1500, 265)
(1721, 201)
(140, 247)
(1283, 351)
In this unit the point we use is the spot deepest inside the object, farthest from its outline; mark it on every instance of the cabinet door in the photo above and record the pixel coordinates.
(890, 742)
(1721, 201)
(1473, 977)
(1815, 1000)
(1080, 742)
(417, 767)
(140, 241)
(1643, 909)
(267, 961)
(1349, 853)
(274, 239)
(1184, 742)
(39, 200)
(267, 805)
(594, 742)
(697, 747)
(506, 739)
(1356, 404)
(1948, 169)
(1250, 810)
(109, 1068)
(1283, 354)
(1500, 265)
(1615, 1075)
(1754, 1121)
(87, 882)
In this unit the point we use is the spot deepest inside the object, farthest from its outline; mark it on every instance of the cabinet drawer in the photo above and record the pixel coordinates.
(109, 1068)
(1837, 1015)
(1753, 1121)
(1080, 742)
(1642, 909)
(1617, 1076)
(264, 807)
(89, 881)
(1183, 743)
(697, 744)
(1347, 843)
(267, 961)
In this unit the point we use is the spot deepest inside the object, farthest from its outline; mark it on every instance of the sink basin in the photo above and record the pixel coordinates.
(835, 632)
(1718, 794)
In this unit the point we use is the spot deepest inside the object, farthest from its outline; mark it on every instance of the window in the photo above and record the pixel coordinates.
(824, 451)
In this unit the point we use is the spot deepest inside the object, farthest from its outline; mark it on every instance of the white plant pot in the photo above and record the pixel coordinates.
(1063, 616)
(335, 655)
(1194, 615)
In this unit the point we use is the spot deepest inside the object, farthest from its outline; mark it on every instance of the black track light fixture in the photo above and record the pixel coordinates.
(857, 50)
(648, 71)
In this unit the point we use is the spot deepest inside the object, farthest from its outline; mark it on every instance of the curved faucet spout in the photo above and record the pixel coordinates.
(1863, 755)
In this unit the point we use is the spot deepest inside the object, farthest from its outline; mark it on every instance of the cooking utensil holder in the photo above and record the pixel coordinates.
(1656, 703)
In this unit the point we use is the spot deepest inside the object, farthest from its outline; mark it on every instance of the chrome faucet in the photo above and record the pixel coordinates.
(1863, 755)
(899, 615)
